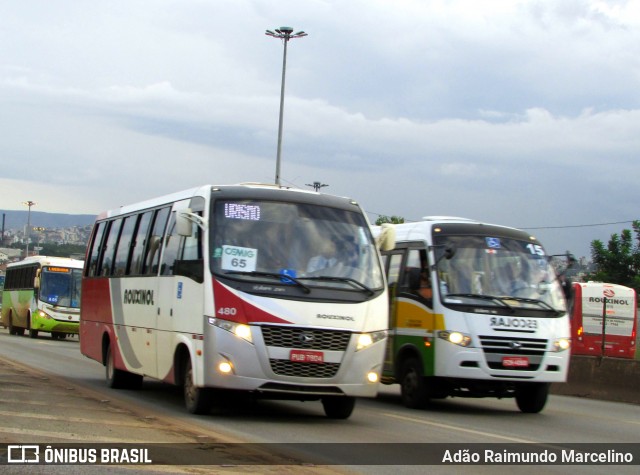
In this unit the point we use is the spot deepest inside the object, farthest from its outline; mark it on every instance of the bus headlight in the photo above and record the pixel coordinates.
(44, 315)
(561, 344)
(240, 330)
(457, 338)
(365, 340)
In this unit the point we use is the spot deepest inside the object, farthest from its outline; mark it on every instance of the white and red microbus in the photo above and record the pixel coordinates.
(257, 288)
(617, 303)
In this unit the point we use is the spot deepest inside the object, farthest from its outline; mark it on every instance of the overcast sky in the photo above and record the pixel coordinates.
(518, 112)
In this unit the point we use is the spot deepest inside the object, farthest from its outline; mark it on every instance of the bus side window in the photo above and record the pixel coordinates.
(152, 250)
(393, 272)
(182, 255)
(124, 246)
(96, 245)
(171, 247)
(139, 243)
(106, 266)
(190, 263)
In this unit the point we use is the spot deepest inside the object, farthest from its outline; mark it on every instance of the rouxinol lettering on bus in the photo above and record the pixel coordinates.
(42, 294)
(258, 288)
(617, 304)
(476, 311)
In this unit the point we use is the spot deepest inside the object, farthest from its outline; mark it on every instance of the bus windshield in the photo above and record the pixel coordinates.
(497, 272)
(61, 286)
(296, 243)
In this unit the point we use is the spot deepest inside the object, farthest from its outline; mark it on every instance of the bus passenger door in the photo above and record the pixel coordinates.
(393, 262)
(181, 292)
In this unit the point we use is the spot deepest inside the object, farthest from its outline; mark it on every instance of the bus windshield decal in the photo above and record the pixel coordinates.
(239, 258)
(493, 243)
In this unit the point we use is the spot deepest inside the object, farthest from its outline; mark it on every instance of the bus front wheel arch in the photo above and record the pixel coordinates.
(32, 333)
(13, 330)
(413, 384)
(117, 378)
(197, 400)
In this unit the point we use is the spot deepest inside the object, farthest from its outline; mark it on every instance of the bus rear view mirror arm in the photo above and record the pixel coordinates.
(386, 241)
(184, 219)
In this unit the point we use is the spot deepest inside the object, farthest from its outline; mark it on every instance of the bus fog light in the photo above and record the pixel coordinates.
(372, 377)
(225, 367)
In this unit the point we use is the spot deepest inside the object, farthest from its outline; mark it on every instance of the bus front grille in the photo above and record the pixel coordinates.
(304, 370)
(495, 348)
(306, 338)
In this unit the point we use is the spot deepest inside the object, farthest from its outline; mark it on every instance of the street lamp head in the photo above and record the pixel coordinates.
(285, 30)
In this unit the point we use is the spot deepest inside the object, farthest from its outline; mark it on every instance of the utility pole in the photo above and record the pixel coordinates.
(28, 233)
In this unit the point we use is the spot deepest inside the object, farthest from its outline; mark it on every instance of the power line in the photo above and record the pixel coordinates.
(579, 225)
(538, 227)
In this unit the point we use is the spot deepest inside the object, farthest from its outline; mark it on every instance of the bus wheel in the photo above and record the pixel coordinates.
(338, 407)
(531, 398)
(117, 378)
(413, 386)
(196, 400)
(12, 329)
(32, 333)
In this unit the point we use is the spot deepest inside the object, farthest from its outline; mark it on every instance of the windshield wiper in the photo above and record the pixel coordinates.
(538, 302)
(274, 275)
(491, 298)
(503, 299)
(354, 283)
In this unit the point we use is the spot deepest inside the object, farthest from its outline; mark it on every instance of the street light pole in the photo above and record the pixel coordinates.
(284, 33)
(28, 233)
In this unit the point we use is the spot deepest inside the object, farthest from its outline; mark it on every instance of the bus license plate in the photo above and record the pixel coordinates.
(305, 356)
(515, 362)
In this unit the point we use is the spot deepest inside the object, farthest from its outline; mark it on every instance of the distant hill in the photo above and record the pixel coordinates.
(18, 219)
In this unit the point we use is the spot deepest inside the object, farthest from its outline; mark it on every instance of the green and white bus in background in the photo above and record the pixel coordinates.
(42, 294)
(476, 311)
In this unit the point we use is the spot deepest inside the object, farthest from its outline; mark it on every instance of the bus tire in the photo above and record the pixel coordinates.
(413, 385)
(196, 400)
(117, 378)
(12, 329)
(32, 333)
(338, 407)
(532, 397)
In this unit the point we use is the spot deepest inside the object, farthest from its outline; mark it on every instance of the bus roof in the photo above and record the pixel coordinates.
(48, 261)
(260, 190)
(421, 230)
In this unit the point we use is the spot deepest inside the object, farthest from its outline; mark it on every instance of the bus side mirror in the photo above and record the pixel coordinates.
(386, 240)
(184, 219)
(36, 280)
(183, 223)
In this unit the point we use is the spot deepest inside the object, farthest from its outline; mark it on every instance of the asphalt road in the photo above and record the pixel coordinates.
(50, 393)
